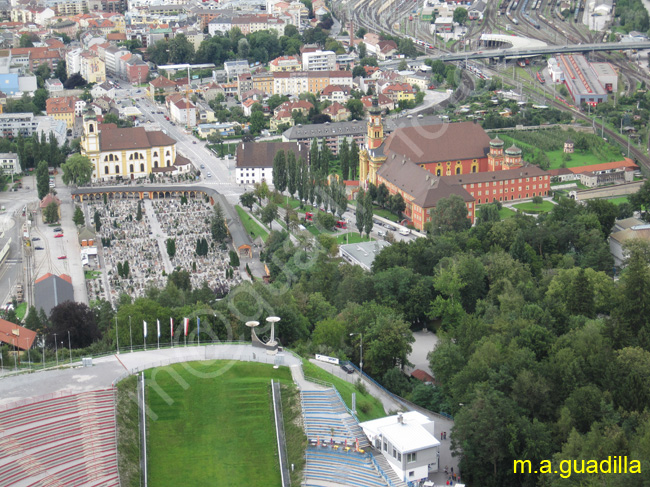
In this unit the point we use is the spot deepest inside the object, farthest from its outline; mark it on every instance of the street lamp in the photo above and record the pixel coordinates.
(130, 334)
(361, 352)
(69, 347)
(56, 350)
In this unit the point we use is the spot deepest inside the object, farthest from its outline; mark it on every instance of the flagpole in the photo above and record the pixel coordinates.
(145, 335)
(171, 324)
(198, 329)
(158, 326)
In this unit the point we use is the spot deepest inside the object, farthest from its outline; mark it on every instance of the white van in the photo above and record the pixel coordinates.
(404, 231)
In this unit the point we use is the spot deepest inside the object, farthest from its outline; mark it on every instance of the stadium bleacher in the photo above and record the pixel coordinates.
(332, 458)
(66, 441)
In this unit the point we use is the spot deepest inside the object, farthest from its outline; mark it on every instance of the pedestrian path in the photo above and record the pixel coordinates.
(158, 234)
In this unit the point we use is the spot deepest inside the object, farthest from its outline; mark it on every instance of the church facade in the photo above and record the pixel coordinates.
(429, 162)
(129, 153)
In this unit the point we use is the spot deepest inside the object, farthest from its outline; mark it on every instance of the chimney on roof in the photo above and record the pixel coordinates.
(400, 418)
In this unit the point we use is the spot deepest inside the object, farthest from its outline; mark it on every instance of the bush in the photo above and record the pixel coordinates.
(364, 406)
(361, 387)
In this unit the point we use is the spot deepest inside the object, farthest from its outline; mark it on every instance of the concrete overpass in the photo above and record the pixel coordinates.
(516, 53)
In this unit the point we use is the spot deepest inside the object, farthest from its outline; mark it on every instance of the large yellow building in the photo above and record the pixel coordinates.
(62, 108)
(129, 153)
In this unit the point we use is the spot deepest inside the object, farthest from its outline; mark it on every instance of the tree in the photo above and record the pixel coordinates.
(360, 221)
(269, 213)
(51, 213)
(402, 66)
(43, 71)
(171, 247)
(325, 158)
(60, 72)
(449, 215)
(344, 157)
(303, 179)
(138, 213)
(397, 204)
(280, 171)
(258, 122)
(40, 99)
(356, 109)
(363, 50)
(292, 173)
(368, 222)
(26, 41)
(97, 220)
(78, 217)
(460, 15)
(218, 227)
(42, 179)
(314, 156)
(354, 161)
(234, 259)
(248, 200)
(180, 279)
(243, 48)
(77, 170)
(77, 319)
(74, 81)
(325, 220)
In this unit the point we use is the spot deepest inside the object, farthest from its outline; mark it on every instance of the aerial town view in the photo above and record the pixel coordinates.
(321, 243)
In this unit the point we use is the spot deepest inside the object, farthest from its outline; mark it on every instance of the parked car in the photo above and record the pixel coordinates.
(38, 248)
(348, 368)
(58, 235)
(34, 239)
(62, 257)
(209, 175)
(58, 229)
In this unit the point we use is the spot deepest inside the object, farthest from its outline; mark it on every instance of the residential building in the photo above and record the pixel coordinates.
(14, 124)
(103, 89)
(136, 70)
(223, 129)
(62, 108)
(10, 84)
(319, 61)
(9, 163)
(285, 63)
(235, 68)
(443, 25)
(281, 118)
(623, 231)
(50, 127)
(398, 92)
(337, 112)
(336, 93)
(220, 25)
(161, 86)
(407, 441)
(129, 153)
(183, 112)
(93, 69)
(385, 103)
(254, 160)
(53, 85)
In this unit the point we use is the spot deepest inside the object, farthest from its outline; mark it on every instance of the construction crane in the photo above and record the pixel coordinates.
(188, 89)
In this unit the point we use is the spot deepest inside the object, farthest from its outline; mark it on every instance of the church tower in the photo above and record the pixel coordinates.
(375, 126)
(495, 156)
(90, 137)
(371, 158)
(513, 157)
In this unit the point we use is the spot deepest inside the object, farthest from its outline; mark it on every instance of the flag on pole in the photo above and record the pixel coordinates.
(144, 323)
(158, 326)
(171, 325)
(186, 325)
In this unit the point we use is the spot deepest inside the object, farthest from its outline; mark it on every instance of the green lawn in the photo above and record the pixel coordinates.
(372, 405)
(618, 201)
(580, 159)
(21, 310)
(385, 214)
(92, 274)
(251, 226)
(504, 213)
(352, 237)
(531, 207)
(218, 431)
